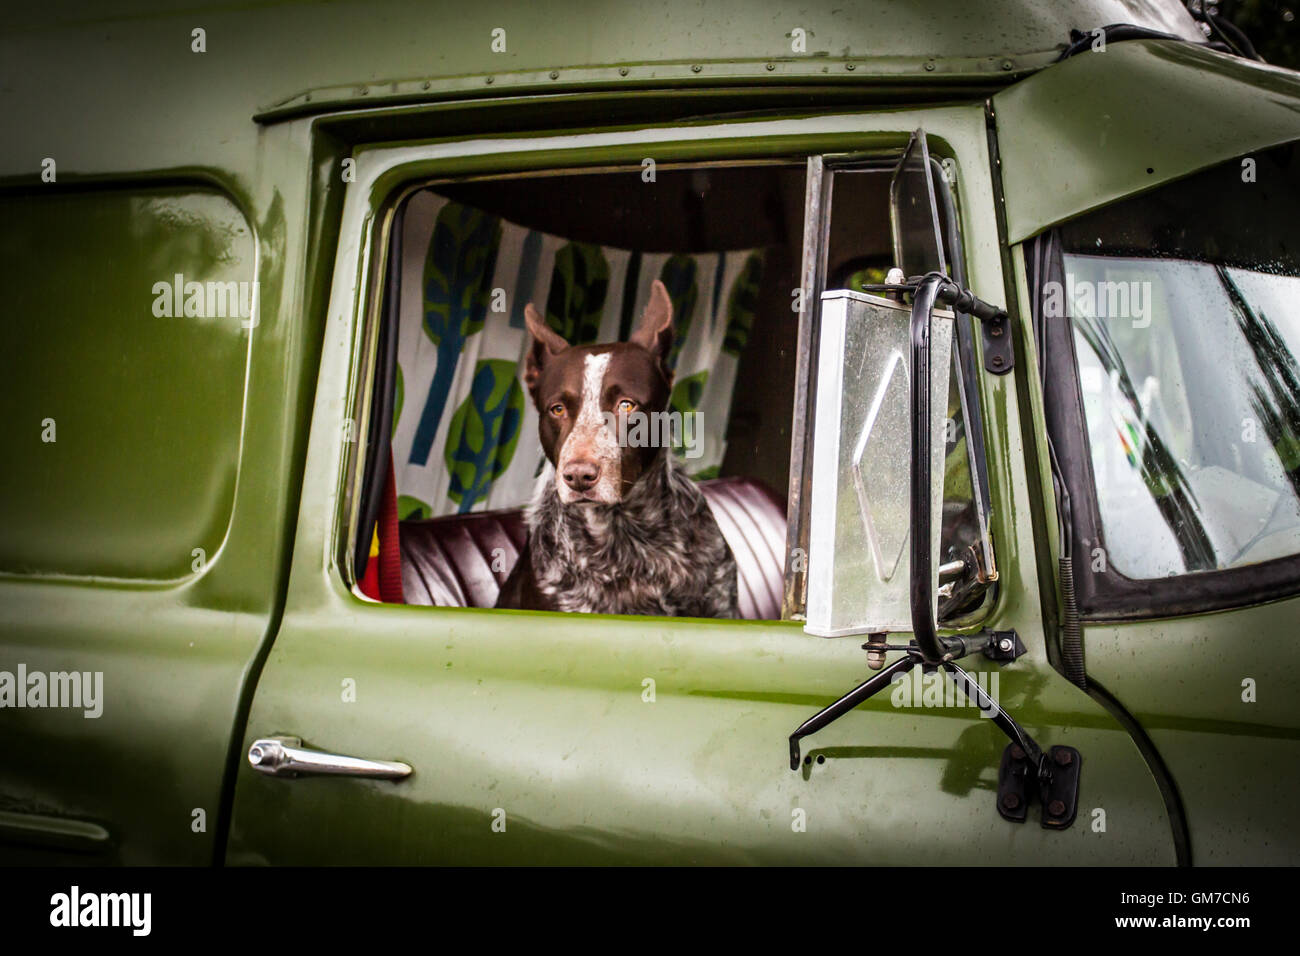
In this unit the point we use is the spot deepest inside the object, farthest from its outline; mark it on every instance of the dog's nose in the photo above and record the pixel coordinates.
(581, 475)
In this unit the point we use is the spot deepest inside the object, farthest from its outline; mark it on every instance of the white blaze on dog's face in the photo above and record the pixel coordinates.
(578, 391)
(590, 448)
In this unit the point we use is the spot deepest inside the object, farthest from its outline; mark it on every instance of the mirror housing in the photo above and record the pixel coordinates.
(872, 554)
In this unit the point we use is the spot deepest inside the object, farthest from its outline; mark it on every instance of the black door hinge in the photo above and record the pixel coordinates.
(1052, 777)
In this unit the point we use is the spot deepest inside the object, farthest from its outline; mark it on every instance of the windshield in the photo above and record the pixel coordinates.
(1184, 305)
(1191, 393)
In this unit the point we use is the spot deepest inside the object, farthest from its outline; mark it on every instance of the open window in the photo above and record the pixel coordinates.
(466, 257)
(452, 455)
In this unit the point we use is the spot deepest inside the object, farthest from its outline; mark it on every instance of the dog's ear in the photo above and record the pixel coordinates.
(655, 333)
(546, 342)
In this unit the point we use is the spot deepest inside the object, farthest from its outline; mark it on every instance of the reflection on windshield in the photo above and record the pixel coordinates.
(1191, 392)
(1275, 396)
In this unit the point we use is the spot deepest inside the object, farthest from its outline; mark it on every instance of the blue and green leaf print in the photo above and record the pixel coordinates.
(483, 433)
(411, 508)
(688, 392)
(685, 399)
(579, 284)
(742, 305)
(457, 287)
(530, 258)
(679, 276)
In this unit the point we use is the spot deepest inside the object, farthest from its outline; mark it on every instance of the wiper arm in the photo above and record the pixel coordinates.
(1177, 503)
(1279, 408)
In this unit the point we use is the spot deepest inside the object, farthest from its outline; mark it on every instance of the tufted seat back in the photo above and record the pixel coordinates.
(448, 561)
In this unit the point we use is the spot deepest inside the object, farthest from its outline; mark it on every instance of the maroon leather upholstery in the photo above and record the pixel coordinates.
(448, 561)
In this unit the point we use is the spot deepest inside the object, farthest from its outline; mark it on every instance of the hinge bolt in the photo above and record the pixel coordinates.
(1016, 752)
(1056, 808)
(1063, 758)
(1011, 800)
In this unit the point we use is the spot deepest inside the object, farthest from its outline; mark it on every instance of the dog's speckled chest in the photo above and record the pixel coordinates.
(659, 551)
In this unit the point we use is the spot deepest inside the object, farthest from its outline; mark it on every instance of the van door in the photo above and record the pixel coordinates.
(1156, 218)
(144, 411)
(513, 737)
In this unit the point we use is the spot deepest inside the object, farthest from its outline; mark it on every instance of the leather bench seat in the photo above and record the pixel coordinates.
(448, 561)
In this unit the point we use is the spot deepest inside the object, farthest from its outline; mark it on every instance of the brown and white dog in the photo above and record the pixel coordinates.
(614, 528)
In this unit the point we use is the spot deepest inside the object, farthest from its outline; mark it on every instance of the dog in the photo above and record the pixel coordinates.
(614, 528)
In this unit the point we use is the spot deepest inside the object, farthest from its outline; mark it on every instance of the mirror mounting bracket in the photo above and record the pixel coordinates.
(1053, 777)
(995, 324)
(1026, 769)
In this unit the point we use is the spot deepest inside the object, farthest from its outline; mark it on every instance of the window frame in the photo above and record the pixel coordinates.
(386, 173)
(1107, 595)
(354, 492)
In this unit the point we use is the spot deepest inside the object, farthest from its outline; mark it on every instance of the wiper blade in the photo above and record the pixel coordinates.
(1169, 488)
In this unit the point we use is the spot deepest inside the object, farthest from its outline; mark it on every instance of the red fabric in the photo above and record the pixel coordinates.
(390, 545)
(382, 580)
(369, 582)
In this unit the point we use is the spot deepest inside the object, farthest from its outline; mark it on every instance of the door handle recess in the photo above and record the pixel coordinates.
(286, 757)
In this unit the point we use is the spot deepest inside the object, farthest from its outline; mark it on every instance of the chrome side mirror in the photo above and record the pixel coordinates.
(863, 552)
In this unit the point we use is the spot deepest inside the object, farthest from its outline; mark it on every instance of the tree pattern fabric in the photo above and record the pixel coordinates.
(464, 429)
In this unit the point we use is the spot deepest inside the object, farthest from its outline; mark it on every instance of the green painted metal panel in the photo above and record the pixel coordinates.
(129, 318)
(81, 84)
(546, 719)
(1217, 694)
(1103, 125)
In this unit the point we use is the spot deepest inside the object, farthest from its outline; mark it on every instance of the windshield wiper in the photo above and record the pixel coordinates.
(1278, 408)
(1169, 488)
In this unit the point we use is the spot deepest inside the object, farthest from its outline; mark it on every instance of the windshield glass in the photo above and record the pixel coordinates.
(1191, 393)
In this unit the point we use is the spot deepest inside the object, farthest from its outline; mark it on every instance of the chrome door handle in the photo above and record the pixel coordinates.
(286, 757)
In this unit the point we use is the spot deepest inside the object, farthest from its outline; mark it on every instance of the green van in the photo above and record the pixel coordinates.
(1011, 555)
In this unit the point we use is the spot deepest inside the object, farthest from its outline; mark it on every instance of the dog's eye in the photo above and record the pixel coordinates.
(627, 405)
(558, 409)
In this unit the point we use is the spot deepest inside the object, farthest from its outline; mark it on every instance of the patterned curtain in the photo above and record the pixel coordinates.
(465, 430)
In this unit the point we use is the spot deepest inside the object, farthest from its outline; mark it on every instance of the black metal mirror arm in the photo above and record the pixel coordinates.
(922, 591)
(930, 289)
(864, 691)
(913, 657)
